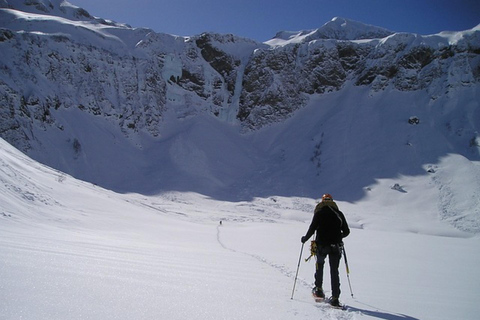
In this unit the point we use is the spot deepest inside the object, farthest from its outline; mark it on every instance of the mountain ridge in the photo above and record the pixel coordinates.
(336, 29)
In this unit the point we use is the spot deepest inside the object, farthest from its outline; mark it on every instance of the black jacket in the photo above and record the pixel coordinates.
(330, 225)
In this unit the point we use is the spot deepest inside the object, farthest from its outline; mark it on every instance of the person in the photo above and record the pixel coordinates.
(331, 227)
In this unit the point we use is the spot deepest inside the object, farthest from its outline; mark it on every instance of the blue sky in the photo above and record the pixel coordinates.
(262, 19)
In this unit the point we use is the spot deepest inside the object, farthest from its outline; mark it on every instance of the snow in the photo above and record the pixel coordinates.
(70, 249)
(172, 68)
(338, 28)
(155, 248)
(345, 29)
(120, 36)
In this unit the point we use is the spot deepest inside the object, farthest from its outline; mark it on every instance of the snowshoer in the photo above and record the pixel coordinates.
(331, 227)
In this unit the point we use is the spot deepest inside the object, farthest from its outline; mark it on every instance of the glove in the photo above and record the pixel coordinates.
(304, 239)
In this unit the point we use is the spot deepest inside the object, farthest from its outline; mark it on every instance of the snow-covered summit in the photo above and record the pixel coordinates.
(346, 29)
(58, 8)
(336, 29)
(52, 7)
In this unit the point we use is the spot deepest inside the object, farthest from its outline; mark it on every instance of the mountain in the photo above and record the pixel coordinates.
(348, 109)
(338, 29)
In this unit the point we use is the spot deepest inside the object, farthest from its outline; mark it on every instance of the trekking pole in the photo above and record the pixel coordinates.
(298, 267)
(348, 270)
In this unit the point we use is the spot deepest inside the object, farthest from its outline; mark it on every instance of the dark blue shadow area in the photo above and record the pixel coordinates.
(382, 314)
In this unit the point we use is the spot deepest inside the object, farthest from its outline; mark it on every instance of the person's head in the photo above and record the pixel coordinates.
(327, 197)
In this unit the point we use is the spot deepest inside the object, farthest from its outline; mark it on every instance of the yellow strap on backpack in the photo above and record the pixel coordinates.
(313, 250)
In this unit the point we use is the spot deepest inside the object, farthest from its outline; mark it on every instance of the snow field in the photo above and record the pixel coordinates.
(89, 253)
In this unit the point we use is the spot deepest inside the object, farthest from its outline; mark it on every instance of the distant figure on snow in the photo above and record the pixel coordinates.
(331, 227)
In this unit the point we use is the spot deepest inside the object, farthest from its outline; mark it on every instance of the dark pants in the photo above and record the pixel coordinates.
(334, 254)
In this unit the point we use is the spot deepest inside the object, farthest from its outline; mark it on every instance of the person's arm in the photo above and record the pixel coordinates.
(345, 228)
(311, 229)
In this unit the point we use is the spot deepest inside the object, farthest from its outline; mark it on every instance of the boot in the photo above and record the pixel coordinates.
(318, 292)
(335, 302)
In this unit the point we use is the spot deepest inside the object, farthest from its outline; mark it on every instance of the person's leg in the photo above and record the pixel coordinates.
(319, 269)
(334, 261)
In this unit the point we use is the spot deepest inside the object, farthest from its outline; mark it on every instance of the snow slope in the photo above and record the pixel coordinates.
(70, 249)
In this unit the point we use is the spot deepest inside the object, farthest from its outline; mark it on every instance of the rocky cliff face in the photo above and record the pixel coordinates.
(287, 74)
(130, 77)
(57, 56)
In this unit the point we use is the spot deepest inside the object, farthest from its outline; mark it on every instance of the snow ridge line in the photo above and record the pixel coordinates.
(281, 268)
